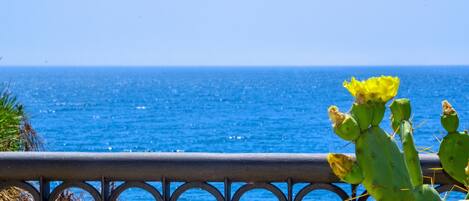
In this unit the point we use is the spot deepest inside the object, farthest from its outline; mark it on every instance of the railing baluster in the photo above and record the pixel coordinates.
(290, 189)
(166, 185)
(105, 189)
(44, 189)
(227, 186)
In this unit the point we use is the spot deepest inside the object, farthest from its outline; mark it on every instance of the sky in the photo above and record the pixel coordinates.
(233, 33)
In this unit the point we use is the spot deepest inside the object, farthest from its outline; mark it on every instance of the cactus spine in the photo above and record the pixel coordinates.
(454, 148)
(467, 174)
(386, 172)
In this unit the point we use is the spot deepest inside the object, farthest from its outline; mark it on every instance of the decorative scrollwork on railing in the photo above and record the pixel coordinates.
(320, 186)
(74, 184)
(142, 185)
(197, 185)
(266, 186)
(180, 190)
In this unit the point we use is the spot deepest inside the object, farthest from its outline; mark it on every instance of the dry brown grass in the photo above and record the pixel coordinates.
(17, 194)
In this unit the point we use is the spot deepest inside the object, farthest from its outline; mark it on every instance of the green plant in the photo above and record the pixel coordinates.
(385, 171)
(16, 132)
(454, 148)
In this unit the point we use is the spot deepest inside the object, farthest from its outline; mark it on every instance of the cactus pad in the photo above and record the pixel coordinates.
(383, 166)
(454, 149)
(454, 154)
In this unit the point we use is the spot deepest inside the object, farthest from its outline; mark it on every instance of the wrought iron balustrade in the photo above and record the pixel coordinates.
(195, 170)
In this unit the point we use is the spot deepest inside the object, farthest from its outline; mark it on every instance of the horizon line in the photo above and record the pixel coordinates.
(232, 66)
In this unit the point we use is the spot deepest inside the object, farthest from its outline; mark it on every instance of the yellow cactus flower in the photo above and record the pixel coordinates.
(376, 89)
(356, 88)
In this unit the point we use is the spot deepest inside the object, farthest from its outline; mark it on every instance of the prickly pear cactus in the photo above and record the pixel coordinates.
(454, 148)
(385, 171)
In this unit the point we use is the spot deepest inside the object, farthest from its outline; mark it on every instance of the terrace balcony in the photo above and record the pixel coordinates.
(211, 172)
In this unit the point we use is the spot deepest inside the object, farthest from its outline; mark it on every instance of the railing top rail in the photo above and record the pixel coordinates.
(253, 167)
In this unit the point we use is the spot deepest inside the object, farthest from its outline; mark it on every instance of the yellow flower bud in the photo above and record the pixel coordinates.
(449, 119)
(344, 125)
(447, 108)
(340, 164)
(345, 168)
(335, 115)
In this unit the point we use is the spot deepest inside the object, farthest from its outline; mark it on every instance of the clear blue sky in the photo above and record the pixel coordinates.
(236, 32)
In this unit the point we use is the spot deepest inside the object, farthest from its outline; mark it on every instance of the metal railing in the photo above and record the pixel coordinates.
(195, 170)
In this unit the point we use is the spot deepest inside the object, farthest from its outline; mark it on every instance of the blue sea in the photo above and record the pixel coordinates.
(217, 109)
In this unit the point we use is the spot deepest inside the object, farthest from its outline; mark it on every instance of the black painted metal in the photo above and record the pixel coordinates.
(74, 184)
(257, 171)
(266, 186)
(142, 185)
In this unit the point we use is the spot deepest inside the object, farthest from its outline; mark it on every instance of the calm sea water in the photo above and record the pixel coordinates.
(217, 109)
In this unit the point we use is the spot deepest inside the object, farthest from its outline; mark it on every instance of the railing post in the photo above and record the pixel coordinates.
(105, 189)
(44, 189)
(227, 189)
(290, 189)
(166, 189)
